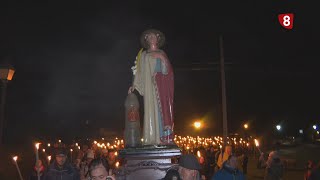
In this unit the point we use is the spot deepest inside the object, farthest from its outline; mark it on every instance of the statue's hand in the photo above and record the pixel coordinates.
(131, 89)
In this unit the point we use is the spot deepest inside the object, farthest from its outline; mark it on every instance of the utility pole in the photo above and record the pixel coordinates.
(6, 74)
(223, 94)
(2, 108)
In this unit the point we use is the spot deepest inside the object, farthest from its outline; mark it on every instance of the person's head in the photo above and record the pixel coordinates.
(211, 149)
(60, 156)
(273, 155)
(85, 147)
(98, 169)
(172, 174)
(189, 167)
(104, 153)
(90, 155)
(152, 37)
(201, 160)
(228, 150)
(112, 154)
(232, 161)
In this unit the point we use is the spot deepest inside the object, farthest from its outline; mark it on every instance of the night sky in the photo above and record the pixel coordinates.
(73, 61)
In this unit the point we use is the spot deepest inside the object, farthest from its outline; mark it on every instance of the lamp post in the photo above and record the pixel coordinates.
(223, 94)
(6, 74)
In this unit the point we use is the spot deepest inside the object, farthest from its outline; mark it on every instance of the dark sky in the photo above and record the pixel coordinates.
(73, 62)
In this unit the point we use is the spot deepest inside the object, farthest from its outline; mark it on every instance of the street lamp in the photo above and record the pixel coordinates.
(278, 127)
(197, 124)
(6, 74)
(314, 127)
(246, 126)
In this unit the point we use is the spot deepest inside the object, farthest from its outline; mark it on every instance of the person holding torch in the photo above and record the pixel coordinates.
(38, 168)
(224, 155)
(61, 168)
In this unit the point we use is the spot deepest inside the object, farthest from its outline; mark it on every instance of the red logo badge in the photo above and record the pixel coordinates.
(286, 20)
(133, 114)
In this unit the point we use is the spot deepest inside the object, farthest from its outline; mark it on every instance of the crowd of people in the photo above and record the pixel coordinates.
(87, 164)
(199, 161)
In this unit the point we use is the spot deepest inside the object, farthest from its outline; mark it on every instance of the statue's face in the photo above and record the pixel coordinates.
(152, 39)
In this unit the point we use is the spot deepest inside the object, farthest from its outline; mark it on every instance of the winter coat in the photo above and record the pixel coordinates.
(66, 173)
(274, 171)
(315, 174)
(228, 173)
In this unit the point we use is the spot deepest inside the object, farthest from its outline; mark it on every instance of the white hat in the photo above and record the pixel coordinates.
(90, 154)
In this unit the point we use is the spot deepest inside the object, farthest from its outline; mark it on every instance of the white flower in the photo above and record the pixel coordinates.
(134, 69)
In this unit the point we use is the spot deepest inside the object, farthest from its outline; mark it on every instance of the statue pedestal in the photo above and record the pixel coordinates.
(147, 162)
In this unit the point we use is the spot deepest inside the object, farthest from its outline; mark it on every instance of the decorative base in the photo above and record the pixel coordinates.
(147, 162)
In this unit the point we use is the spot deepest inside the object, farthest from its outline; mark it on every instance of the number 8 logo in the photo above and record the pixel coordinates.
(286, 20)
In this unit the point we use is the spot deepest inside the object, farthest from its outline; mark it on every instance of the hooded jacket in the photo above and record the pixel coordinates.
(228, 173)
(65, 173)
(274, 170)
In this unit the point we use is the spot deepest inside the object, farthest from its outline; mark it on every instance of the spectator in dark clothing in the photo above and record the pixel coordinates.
(244, 164)
(211, 163)
(274, 167)
(315, 173)
(229, 170)
(60, 168)
(309, 168)
(261, 161)
(204, 168)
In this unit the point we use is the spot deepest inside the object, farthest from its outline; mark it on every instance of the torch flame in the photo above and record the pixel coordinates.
(49, 158)
(117, 164)
(198, 154)
(256, 142)
(15, 158)
(37, 145)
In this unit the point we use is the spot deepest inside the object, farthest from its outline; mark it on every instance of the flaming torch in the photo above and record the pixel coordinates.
(49, 160)
(257, 145)
(15, 158)
(198, 154)
(37, 158)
